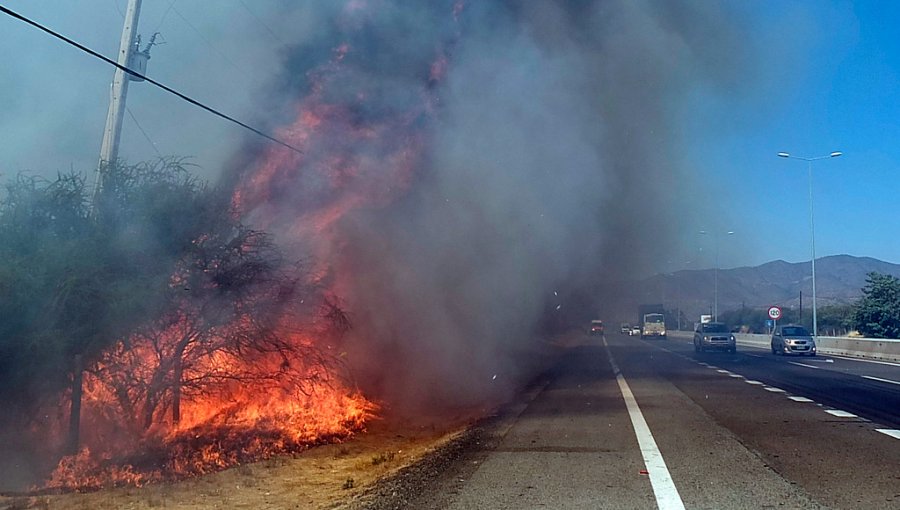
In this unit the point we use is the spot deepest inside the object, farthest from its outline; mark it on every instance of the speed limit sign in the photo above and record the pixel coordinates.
(774, 313)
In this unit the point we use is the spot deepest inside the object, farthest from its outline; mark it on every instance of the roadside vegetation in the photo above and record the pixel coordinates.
(152, 295)
(875, 315)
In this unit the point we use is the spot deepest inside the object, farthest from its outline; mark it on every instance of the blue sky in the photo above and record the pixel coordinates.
(830, 81)
(823, 76)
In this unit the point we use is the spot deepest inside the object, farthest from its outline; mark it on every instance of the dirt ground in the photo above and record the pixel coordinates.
(325, 477)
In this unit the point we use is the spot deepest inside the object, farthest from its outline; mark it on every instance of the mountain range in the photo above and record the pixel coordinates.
(839, 280)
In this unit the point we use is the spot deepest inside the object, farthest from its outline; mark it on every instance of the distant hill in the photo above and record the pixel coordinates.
(839, 280)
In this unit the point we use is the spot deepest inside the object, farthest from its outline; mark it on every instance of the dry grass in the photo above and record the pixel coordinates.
(321, 478)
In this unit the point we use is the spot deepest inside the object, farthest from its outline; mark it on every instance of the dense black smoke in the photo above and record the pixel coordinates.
(550, 165)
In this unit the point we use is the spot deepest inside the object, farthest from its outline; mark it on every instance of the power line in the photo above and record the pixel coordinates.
(146, 78)
(165, 14)
(205, 40)
(146, 136)
(261, 22)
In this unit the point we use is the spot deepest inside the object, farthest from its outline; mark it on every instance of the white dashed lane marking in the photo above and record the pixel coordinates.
(895, 433)
(890, 432)
(878, 362)
(879, 379)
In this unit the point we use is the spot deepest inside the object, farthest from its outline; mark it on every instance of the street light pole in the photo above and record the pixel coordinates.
(812, 228)
(716, 291)
(678, 296)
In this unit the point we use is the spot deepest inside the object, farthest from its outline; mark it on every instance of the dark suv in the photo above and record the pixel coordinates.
(713, 335)
(792, 339)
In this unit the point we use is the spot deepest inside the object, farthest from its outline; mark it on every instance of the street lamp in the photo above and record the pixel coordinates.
(812, 227)
(678, 295)
(716, 293)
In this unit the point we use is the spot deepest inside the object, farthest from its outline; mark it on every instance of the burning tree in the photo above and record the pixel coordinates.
(226, 321)
(183, 322)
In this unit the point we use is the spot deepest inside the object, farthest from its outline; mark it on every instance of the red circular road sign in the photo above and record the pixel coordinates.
(774, 313)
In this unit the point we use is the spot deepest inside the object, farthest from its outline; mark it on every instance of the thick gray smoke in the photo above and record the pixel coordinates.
(549, 164)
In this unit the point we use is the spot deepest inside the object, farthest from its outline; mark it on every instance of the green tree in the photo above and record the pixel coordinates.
(877, 313)
(75, 280)
(836, 319)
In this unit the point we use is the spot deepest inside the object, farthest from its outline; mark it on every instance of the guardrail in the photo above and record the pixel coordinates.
(870, 348)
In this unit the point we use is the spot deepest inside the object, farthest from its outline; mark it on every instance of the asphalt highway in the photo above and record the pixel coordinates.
(627, 423)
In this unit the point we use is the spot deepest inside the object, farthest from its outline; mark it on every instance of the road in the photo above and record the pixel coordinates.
(628, 423)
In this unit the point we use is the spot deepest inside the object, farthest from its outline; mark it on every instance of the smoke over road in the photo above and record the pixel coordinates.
(465, 161)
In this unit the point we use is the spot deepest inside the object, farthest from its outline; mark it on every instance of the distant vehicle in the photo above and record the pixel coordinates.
(652, 321)
(713, 335)
(596, 327)
(654, 325)
(635, 331)
(793, 339)
(625, 329)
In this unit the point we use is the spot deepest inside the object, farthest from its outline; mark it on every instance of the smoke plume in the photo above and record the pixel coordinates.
(468, 165)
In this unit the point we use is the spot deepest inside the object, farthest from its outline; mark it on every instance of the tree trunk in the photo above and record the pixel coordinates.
(176, 391)
(73, 441)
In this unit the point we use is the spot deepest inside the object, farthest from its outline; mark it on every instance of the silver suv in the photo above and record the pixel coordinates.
(793, 339)
(713, 335)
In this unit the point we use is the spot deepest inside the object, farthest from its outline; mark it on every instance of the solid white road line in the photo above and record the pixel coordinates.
(891, 432)
(800, 399)
(802, 365)
(879, 379)
(841, 414)
(664, 489)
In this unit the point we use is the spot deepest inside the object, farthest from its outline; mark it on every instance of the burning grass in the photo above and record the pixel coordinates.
(248, 433)
(322, 477)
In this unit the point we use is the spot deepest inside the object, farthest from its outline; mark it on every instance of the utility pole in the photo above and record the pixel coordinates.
(109, 149)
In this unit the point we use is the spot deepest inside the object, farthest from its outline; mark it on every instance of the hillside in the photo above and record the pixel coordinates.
(839, 280)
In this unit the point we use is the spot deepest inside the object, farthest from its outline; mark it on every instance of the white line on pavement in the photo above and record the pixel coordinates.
(867, 360)
(749, 381)
(891, 432)
(800, 399)
(802, 364)
(664, 489)
(841, 414)
(774, 389)
(880, 379)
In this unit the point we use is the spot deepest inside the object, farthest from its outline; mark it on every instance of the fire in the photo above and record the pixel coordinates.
(185, 398)
(247, 413)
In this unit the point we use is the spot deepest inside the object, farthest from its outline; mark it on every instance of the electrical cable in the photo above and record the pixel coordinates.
(141, 129)
(261, 22)
(207, 42)
(168, 89)
(165, 15)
